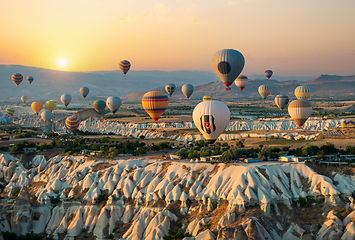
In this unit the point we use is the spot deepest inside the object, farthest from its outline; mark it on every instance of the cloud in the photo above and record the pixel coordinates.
(232, 3)
(160, 9)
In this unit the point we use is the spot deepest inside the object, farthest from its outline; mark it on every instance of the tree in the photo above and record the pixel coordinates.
(193, 154)
(183, 153)
(264, 153)
(226, 157)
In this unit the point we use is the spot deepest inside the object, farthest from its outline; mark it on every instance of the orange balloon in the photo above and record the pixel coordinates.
(37, 107)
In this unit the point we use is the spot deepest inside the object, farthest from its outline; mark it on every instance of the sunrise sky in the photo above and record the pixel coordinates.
(291, 37)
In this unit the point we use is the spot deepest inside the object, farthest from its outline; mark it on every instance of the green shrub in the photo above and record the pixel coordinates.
(16, 192)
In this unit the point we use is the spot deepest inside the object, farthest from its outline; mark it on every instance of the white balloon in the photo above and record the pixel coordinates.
(66, 99)
(211, 119)
(46, 115)
(113, 103)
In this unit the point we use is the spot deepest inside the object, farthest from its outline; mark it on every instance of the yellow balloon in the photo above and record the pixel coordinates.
(55, 101)
(37, 107)
(50, 105)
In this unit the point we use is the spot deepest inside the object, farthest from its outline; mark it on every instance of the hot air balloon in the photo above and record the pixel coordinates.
(281, 101)
(99, 106)
(17, 78)
(125, 65)
(206, 98)
(170, 88)
(268, 74)
(302, 92)
(36, 107)
(113, 103)
(155, 104)
(72, 123)
(227, 64)
(84, 91)
(187, 90)
(241, 82)
(264, 91)
(24, 99)
(46, 116)
(211, 118)
(3, 120)
(66, 99)
(50, 105)
(55, 101)
(300, 110)
(10, 111)
(30, 79)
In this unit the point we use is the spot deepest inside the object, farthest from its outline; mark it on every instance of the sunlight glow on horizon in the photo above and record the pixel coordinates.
(62, 62)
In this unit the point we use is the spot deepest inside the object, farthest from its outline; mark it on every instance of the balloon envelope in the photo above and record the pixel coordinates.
(113, 103)
(55, 101)
(66, 99)
(211, 118)
(281, 101)
(72, 123)
(227, 64)
(46, 115)
(302, 92)
(187, 90)
(50, 105)
(24, 99)
(241, 82)
(299, 111)
(207, 98)
(36, 107)
(84, 91)
(17, 78)
(155, 104)
(99, 106)
(170, 88)
(30, 79)
(125, 65)
(264, 91)
(10, 111)
(268, 73)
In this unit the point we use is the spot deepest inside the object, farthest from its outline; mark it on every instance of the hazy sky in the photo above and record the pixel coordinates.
(291, 37)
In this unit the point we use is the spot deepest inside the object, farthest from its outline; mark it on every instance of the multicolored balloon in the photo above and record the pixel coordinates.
(211, 118)
(300, 110)
(206, 98)
(187, 90)
(281, 101)
(125, 65)
(113, 103)
(264, 91)
(50, 105)
(99, 106)
(241, 82)
(30, 79)
(24, 99)
(66, 99)
(37, 106)
(72, 122)
(84, 91)
(17, 78)
(170, 88)
(46, 116)
(227, 64)
(268, 73)
(10, 111)
(302, 92)
(155, 104)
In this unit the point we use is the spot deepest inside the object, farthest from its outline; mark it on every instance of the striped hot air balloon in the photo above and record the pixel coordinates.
(125, 65)
(72, 123)
(30, 79)
(302, 92)
(227, 64)
(17, 78)
(10, 111)
(300, 110)
(207, 98)
(155, 104)
(241, 82)
(99, 106)
(170, 88)
(281, 101)
(264, 91)
(268, 73)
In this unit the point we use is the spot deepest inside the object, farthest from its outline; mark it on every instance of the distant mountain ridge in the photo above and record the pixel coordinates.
(51, 84)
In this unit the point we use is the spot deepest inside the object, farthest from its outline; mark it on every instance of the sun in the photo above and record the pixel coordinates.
(62, 62)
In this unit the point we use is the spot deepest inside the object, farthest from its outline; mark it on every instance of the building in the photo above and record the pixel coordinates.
(251, 160)
(290, 158)
(210, 158)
